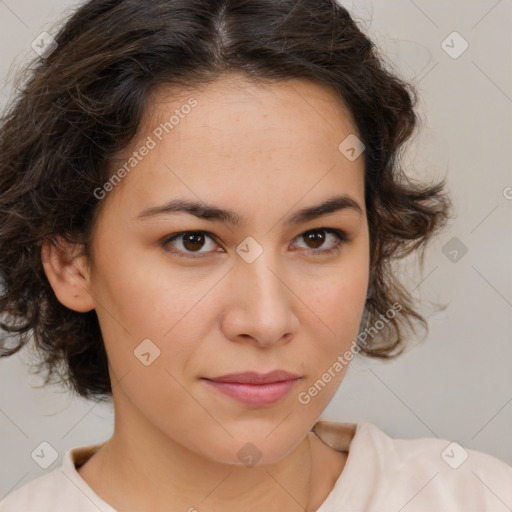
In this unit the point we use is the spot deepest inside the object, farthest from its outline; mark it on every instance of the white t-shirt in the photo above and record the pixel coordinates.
(381, 474)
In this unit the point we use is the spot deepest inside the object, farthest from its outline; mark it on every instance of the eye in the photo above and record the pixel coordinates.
(316, 238)
(190, 242)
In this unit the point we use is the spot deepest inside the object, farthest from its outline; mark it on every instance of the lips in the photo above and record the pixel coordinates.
(256, 378)
(254, 389)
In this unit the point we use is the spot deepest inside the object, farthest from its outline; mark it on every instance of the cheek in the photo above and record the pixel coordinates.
(334, 326)
(145, 299)
(337, 297)
(151, 324)
(330, 339)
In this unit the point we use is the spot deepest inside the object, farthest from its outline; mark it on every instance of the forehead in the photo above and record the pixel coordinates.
(227, 101)
(234, 138)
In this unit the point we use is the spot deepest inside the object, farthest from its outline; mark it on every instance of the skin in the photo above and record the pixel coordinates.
(263, 151)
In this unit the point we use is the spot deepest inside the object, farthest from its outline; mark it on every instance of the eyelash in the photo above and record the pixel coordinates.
(338, 233)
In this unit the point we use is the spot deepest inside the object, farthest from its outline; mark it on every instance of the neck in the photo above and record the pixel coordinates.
(153, 472)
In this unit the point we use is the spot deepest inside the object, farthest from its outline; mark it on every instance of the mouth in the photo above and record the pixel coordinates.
(254, 389)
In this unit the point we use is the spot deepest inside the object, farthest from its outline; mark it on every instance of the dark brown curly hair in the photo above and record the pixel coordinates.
(82, 103)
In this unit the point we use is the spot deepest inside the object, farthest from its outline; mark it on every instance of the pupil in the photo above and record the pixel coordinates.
(191, 241)
(317, 237)
(195, 241)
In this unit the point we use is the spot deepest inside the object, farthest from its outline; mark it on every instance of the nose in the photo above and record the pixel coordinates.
(260, 308)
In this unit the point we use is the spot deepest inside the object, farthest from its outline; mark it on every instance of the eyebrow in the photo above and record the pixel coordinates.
(214, 213)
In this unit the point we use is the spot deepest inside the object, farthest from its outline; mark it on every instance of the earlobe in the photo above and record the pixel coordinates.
(67, 274)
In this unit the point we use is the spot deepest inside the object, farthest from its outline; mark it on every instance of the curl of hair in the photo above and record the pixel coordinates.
(85, 101)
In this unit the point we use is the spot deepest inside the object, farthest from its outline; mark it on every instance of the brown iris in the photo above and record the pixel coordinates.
(316, 237)
(193, 241)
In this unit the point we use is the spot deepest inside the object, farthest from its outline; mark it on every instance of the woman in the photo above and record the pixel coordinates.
(202, 206)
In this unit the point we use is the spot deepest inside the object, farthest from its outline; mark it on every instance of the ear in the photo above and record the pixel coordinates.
(68, 274)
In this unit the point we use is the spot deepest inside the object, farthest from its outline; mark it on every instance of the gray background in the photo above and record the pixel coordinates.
(456, 385)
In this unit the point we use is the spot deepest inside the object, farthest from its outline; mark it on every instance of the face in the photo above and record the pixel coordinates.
(186, 296)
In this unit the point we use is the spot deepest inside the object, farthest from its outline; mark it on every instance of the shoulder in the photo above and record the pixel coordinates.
(59, 490)
(34, 495)
(429, 472)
